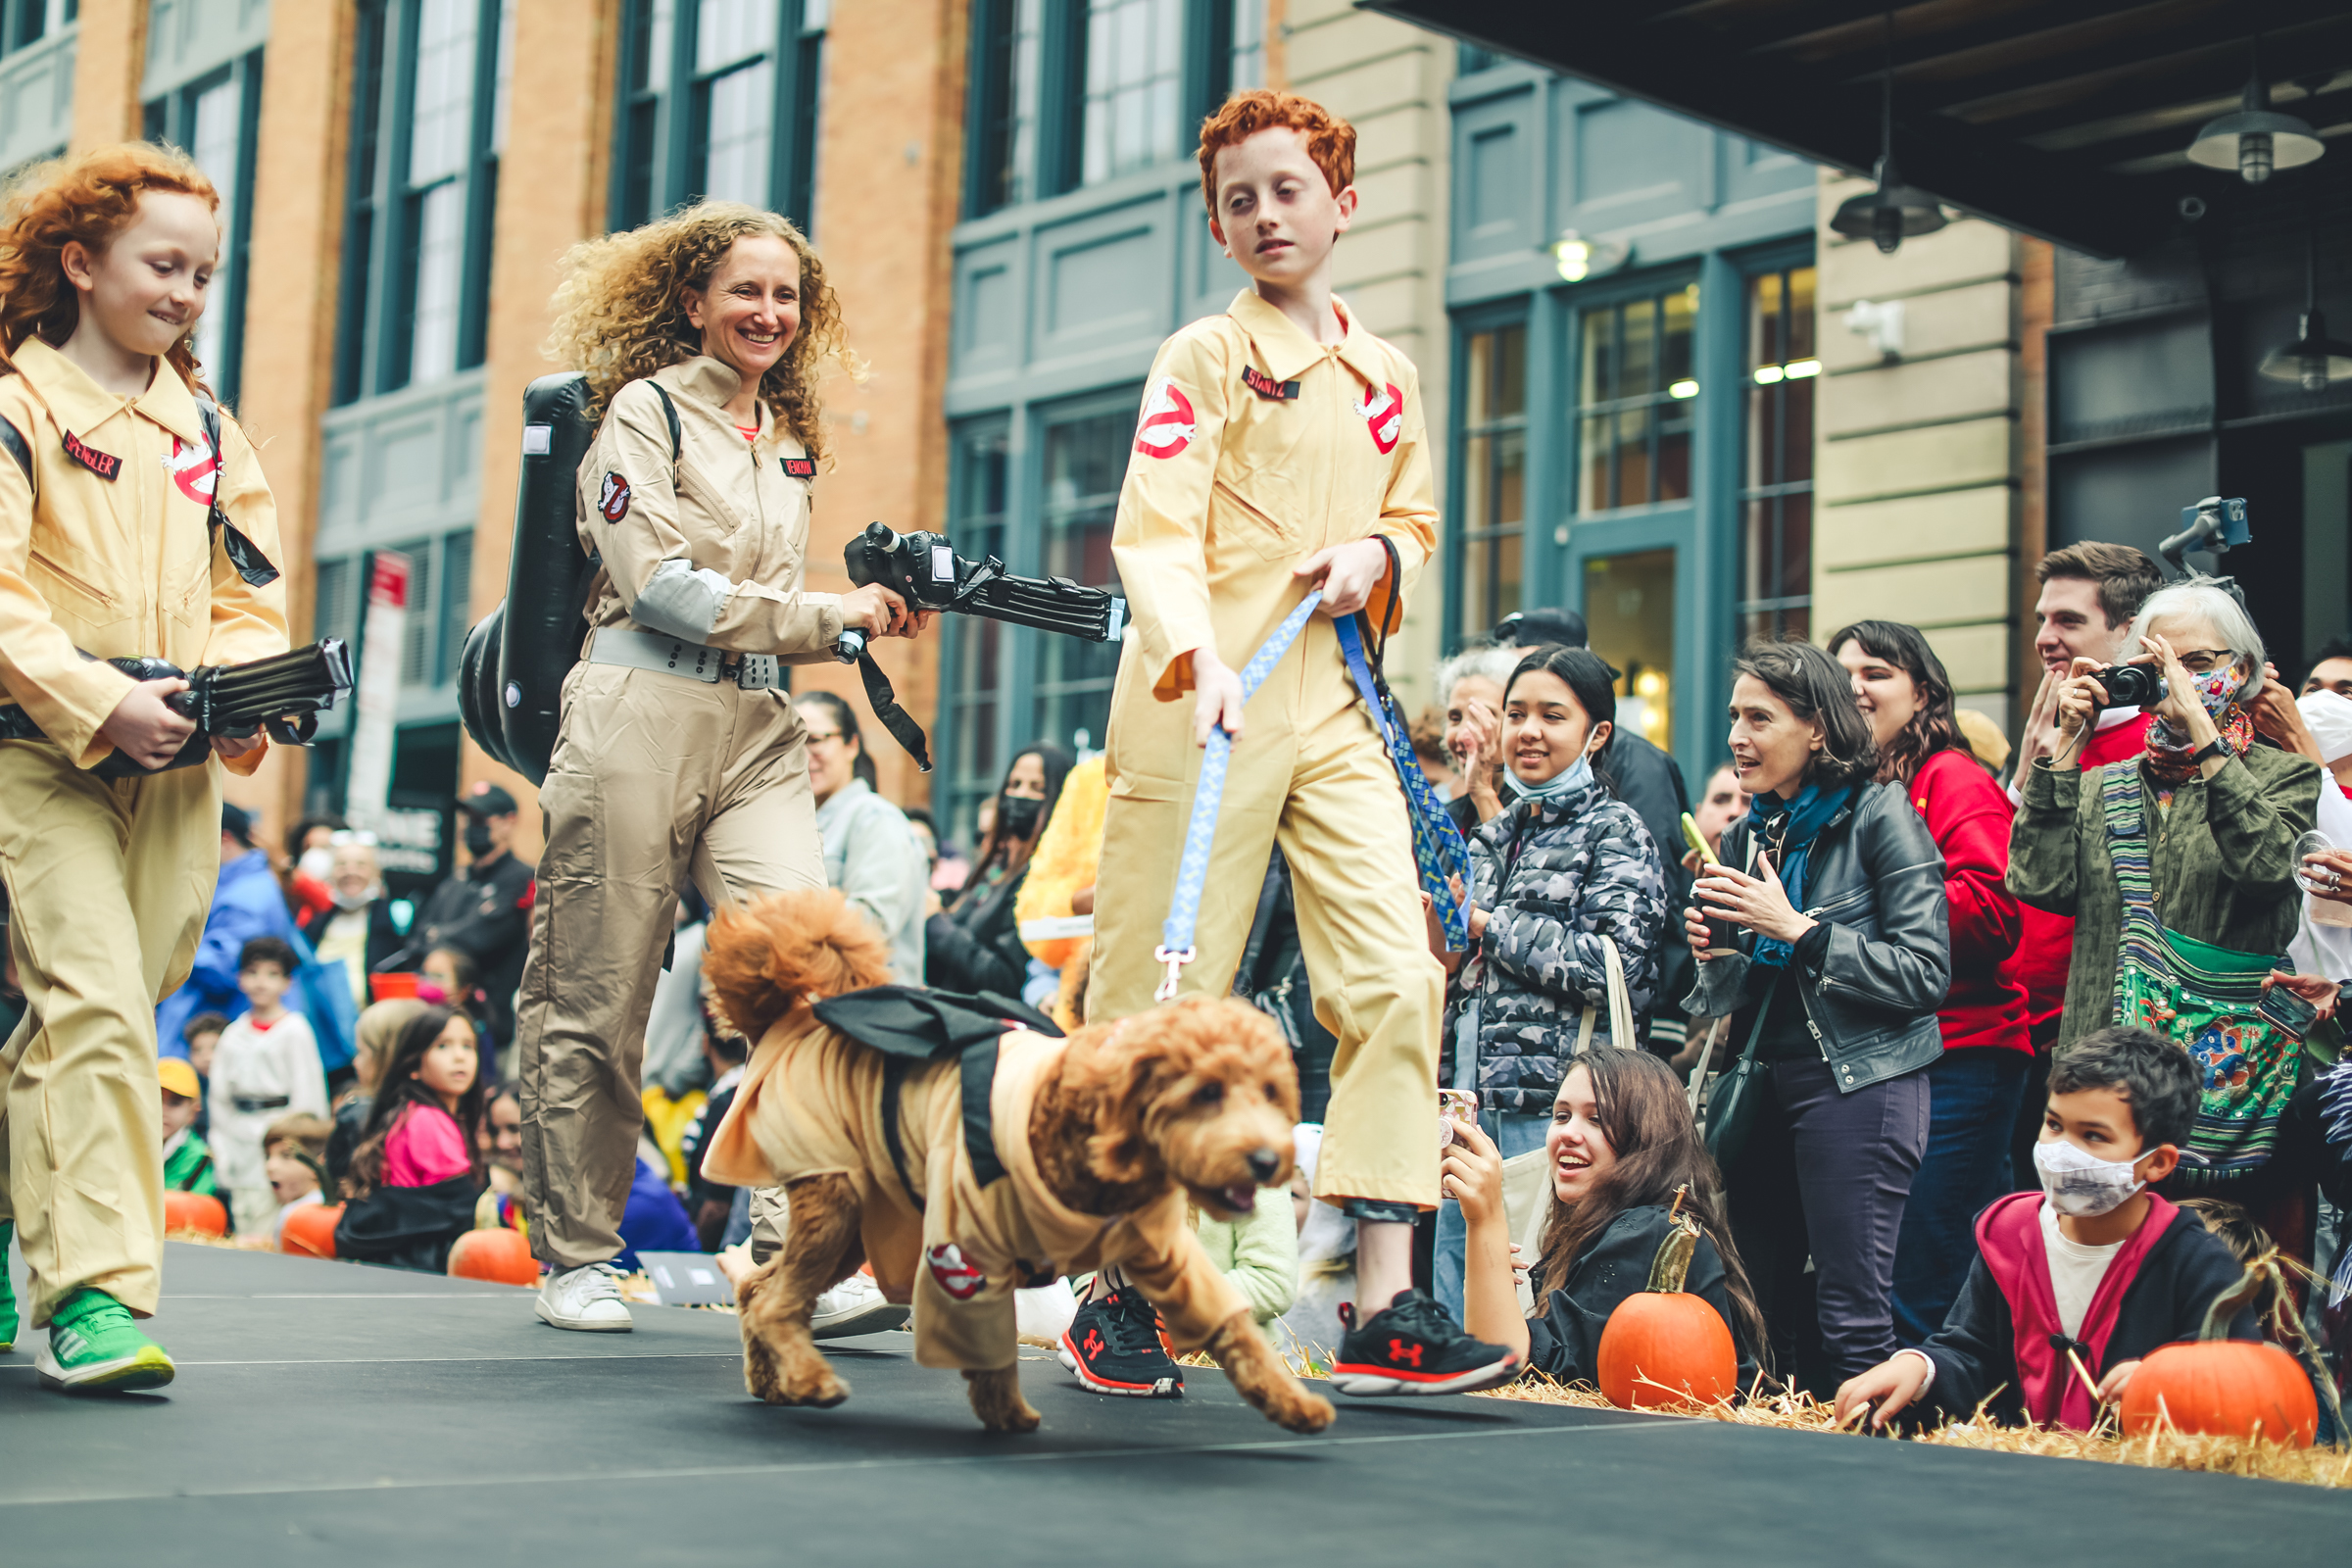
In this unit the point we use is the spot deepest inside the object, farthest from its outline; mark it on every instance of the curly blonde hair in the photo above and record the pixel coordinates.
(621, 312)
(90, 198)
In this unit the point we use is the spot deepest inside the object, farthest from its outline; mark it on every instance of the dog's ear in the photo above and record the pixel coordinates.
(765, 960)
(1125, 1076)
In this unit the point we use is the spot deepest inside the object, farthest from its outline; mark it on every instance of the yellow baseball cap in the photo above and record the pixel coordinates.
(177, 1077)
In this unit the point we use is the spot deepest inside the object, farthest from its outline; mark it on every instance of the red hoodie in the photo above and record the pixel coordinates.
(1969, 816)
(2048, 945)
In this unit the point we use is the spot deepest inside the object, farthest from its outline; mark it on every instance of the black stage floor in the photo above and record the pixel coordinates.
(326, 1413)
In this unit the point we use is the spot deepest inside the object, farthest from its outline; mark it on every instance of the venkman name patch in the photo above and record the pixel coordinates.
(801, 468)
(1265, 386)
(105, 465)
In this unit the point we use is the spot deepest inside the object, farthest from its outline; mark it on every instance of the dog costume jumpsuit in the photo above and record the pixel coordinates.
(679, 755)
(984, 1222)
(106, 549)
(1257, 447)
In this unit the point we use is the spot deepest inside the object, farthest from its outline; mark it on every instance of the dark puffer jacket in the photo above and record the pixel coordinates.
(1555, 877)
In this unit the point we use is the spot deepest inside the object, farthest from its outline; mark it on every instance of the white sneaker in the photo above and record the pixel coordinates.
(853, 1306)
(585, 1297)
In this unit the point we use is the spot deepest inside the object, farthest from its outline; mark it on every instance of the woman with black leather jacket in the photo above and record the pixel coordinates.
(1832, 953)
(975, 945)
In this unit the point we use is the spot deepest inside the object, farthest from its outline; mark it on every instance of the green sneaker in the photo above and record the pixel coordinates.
(7, 1290)
(95, 1348)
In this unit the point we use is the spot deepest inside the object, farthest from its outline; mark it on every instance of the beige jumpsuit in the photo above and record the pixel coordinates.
(656, 776)
(109, 880)
(1257, 447)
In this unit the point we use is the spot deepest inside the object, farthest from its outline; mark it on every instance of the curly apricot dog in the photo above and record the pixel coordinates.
(963, 1176)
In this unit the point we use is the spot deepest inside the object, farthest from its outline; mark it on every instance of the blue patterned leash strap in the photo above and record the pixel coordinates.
(1176, 946)
(1437, 849)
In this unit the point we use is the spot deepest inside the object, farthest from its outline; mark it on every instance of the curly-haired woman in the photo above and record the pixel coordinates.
(123, 492)
(702, 337)
(1973, 1087)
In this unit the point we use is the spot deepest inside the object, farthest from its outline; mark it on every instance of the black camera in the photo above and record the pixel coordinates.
(924, 570)
(2133, 685)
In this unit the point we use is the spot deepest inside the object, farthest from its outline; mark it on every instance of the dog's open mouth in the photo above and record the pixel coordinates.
(1241, 1198)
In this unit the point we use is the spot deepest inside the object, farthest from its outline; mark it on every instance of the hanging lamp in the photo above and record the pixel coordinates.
(1894, 210)
(2312, 360)
(2256, 141)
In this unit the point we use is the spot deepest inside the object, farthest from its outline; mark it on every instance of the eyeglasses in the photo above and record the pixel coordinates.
(2205, 661)
(814, 735)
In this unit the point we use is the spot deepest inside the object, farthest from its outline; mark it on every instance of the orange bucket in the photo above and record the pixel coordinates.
(501, 1256)
(392, 986)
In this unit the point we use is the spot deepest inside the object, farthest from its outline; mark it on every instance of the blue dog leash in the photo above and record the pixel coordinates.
(1437, 848)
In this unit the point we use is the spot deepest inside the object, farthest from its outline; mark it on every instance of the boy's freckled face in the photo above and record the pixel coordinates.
(2098, 1121)
(1276, 211)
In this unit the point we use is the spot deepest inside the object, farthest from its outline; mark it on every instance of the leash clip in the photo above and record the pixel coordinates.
(1175, 963)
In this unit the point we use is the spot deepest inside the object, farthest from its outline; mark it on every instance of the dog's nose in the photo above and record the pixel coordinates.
(1263, 1163)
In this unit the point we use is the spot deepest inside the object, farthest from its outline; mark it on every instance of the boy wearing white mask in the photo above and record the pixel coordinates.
(2074, 1284)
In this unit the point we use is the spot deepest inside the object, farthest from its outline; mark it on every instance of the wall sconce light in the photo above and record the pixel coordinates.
(1883, 324)
(1579, 258)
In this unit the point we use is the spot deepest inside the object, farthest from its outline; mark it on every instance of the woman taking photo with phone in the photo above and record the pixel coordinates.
(703, 338)
(1830, 954)
(1906, 698)
(1565, 872)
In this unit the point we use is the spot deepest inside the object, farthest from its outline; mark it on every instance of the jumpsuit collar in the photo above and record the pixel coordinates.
(709, 381)
(83, 407)
(1289, 352)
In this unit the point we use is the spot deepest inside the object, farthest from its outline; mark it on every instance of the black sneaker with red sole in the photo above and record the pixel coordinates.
(1413, 1345)
(1113, 1344)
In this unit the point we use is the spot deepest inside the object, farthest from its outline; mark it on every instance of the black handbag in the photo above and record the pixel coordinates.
(1731, 1105)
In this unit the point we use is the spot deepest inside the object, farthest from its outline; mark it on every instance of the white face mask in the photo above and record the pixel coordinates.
(317, 863)
(2079, 1183)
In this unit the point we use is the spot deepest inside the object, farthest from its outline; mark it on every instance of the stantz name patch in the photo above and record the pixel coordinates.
(105, 465)
(801, 468)
(1265, 386)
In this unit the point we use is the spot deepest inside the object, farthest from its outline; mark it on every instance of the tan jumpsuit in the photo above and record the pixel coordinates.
(109, 880)
(656, 778)
(1257, 447)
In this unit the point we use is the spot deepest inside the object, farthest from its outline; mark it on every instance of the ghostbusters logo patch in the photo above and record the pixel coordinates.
(106, 466)
(1383, 410)
(801, 468)
(956, 1277)
(612, 498)
(195, 469)
(1265, 386)
(1166, 427)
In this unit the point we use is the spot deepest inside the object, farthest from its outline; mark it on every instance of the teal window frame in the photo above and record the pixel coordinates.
(26, 23)
(1467, 534)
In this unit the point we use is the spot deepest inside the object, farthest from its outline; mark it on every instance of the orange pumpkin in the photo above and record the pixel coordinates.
(195, 1212)
(309, 1230)
(1666, 1349)
(2219, 1387)
(501, 1256)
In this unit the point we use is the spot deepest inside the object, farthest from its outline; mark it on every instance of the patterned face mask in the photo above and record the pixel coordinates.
(2218, 691)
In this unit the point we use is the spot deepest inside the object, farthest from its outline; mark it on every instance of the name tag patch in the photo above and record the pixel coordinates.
(105, 465)
(1265, 386)
(613, 499)
(801, 468)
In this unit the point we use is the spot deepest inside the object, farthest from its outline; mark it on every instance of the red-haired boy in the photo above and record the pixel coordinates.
(1280, 445)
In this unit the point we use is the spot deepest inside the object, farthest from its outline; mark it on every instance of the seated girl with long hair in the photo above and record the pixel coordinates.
(1621, 1141)
(418, 1170)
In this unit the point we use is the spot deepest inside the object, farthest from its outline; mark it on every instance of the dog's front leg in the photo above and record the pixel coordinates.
(1259, 1375)
(781, 1363)
(996, 1399)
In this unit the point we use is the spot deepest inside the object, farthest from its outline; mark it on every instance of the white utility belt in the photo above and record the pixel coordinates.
(674, 656)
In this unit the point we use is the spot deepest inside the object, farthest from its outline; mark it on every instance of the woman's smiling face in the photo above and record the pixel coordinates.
(1581, 1154)
(1544, 728)
(751, 311)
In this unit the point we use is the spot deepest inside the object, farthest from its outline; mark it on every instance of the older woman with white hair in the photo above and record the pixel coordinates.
(1470, 686)
(2179, 867)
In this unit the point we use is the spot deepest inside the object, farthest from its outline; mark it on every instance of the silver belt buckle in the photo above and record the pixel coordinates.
(759, 672)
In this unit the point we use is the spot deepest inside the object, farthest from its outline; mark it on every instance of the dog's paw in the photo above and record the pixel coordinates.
(996, 1401)
(1302, 1412)
(1019, 1417)
(819, 1386)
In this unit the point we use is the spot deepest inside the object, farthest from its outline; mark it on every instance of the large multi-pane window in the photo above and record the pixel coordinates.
(428, 127)
(1492, 532)
(28, 22)
(1085, 461)
(1636, 392)
(719, 99)
(216, 120)
(973, 676)
(1072, 92)
(1776, 487)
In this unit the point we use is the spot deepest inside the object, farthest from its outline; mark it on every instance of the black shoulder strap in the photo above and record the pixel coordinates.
(669, 412)
(243, 554)
(14, 440)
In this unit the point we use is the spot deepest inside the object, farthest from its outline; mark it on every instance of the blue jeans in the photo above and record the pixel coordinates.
(1514, 1132)
(1970, 1117)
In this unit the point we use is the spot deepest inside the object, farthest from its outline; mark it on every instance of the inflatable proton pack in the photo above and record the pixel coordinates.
(511, 684)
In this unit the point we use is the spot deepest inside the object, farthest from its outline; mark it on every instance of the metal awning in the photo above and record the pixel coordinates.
(2066, 118)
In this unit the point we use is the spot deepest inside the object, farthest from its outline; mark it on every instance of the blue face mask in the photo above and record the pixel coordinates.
(1567, 781)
